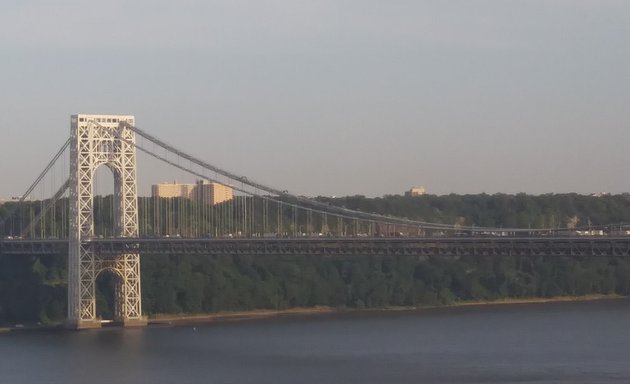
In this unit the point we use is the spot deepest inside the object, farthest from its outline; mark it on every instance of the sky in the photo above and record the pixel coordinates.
(332, 97)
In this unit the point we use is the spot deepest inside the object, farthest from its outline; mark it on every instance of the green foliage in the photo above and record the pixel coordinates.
(499, 210)
(33, 289)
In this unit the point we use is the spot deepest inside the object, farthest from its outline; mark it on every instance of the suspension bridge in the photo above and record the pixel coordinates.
(60, 214)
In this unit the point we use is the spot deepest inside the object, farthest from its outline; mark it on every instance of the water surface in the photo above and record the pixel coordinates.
(580, 342)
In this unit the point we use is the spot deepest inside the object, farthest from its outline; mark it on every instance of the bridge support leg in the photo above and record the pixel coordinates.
(127, 298)
(102, 140)
(129, 301)
(83, 324)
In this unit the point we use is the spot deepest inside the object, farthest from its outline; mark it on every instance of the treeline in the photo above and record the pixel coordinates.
(33, 289)
(499, 210)
(203, 284)
(257, 216)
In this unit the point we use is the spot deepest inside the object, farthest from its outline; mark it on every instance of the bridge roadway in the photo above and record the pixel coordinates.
(345, 246)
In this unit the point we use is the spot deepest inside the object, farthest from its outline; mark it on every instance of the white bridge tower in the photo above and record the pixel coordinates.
(102, 140)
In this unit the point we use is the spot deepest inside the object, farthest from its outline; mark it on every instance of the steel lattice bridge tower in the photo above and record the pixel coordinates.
(258, 220)
(95, 141)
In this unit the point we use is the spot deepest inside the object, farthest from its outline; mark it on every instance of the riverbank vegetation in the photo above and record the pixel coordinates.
(33, 289)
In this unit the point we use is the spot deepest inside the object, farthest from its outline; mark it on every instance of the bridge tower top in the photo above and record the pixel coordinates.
(111, 121)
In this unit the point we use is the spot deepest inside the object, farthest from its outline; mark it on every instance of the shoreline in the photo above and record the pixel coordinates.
(169, 319)
(538, 300)
(176, 320)
(230, 316)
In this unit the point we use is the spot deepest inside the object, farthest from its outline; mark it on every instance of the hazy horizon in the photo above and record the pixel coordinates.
(333, 97)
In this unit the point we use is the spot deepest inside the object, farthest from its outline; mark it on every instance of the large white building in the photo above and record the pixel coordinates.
(416, 191)
(203, 190)
(174, 189)
(8, 199)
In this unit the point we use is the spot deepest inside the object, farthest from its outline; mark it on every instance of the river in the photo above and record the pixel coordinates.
(573, 342)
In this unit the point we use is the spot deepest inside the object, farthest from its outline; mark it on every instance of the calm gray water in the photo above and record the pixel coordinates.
(587, 342)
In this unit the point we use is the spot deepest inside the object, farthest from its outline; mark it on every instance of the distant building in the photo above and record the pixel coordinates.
(415, 191)
(170, 190)
(9, 199)
(213, 193)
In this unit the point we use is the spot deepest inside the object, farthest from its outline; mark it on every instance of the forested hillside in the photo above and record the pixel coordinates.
(499, 210)
(32, 289)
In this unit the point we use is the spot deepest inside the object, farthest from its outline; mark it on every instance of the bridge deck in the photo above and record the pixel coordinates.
(417, 246)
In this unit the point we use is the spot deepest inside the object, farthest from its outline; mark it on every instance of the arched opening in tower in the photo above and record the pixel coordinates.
(108, 295)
